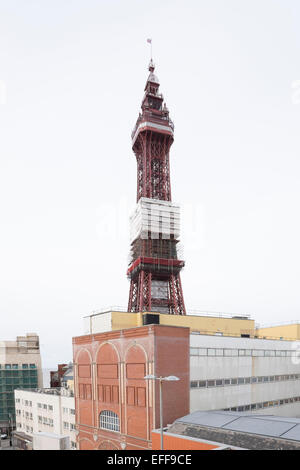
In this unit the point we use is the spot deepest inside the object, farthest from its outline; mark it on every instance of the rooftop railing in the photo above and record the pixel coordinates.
(195, 312)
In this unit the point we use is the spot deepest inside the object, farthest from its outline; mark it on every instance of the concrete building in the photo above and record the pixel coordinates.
(20, 367)
(47, 411)
(289, 331)
(244, 374)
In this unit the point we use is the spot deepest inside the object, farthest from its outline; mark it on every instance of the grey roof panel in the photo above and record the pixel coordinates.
(215, 420)
(281, 419)
(259, 426)
(268, 425)
(293, 433)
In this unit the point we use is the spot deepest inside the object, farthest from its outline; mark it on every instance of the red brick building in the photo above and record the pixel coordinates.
(56, 375)
(116, 408)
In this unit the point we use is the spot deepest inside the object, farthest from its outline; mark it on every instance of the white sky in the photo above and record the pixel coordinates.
(72, 74)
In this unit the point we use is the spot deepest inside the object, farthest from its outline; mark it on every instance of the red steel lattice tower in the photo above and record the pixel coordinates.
(154, 269)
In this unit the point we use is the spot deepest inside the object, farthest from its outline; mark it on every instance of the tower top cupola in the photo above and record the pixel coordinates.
(152, 77)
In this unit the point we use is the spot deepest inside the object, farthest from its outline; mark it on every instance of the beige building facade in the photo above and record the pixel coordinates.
(46, 411)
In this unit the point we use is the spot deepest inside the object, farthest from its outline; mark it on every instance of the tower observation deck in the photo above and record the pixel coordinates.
(154, 269)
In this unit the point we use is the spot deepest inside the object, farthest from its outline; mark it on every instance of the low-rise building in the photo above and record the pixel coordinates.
(46, 410)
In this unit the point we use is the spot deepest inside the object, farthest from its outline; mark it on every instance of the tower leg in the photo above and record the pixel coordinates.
(140, 293)
(177, 306)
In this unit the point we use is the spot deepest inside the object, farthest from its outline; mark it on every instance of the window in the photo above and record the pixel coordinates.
(72, 411)
(50, 407)
(194, 351)
(194, 384)
(202, 351)
(269, 353)
(66, 425)
(109, 420)
(230, 352)
(211, 352)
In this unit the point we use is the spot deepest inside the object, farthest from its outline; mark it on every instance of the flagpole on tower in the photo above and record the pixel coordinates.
(150, 42)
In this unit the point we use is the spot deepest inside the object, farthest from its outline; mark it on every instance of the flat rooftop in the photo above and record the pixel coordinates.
(244, 429)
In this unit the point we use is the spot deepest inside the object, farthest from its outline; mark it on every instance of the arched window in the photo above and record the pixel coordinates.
(109, 420)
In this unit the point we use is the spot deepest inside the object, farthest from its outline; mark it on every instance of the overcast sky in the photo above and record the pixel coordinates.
(72, 75)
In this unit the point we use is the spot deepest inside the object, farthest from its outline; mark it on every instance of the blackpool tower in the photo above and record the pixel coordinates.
(154, 269)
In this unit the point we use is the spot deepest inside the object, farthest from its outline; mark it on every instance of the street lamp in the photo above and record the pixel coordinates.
(170, 378)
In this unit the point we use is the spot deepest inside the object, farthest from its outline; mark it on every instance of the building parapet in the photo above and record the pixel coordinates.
(50, 391)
